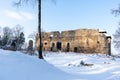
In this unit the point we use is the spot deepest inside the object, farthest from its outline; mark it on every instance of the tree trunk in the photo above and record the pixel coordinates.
(39, 30)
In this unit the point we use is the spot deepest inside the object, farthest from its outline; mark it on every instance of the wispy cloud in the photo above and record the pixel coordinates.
(19, 15)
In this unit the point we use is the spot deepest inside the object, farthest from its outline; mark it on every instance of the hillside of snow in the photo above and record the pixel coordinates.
(58, 66)
(19, 66)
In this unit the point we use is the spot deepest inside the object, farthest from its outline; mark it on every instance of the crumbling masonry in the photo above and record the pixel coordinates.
(80, 40)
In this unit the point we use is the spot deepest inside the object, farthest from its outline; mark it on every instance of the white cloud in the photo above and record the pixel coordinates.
(19, 15)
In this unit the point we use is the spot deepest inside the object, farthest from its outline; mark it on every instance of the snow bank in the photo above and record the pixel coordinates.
(18, 66)
(58, 66)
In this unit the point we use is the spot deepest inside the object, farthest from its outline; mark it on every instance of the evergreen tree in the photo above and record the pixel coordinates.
(4, 40)
(20, 40)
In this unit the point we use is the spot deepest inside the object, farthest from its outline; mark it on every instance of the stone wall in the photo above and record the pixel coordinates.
(80, 40)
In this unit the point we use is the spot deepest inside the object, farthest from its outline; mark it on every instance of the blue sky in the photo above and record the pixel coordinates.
(75, 14)
(64, 15)
(11, 16)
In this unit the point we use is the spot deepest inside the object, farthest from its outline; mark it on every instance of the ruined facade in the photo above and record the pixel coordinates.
(80, 40)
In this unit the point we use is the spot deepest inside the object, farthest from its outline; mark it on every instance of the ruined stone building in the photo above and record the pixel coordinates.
(80, 40)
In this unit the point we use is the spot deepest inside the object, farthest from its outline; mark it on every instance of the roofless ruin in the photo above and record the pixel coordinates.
(80, 40)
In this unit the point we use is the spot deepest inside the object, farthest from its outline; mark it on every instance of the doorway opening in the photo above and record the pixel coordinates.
(58, 45)
(75, 49)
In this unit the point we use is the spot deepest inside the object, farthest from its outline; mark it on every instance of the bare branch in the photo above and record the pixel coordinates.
(116, 12)
(17, 3)
(33, 35)
(20, 3)
(54, 1)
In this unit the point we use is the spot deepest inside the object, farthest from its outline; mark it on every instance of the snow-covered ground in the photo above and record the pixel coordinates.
(58, 66)
(19, 66)
(103, 68)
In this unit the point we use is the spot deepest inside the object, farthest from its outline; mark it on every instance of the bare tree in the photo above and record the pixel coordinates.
(116, 11)
(116, 40)
(33, 35)
(19, 3)
(17, 30)
(7, 34)
(7, 31)
(0, 30)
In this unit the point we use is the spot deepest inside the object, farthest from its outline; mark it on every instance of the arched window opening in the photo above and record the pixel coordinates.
(68, 47)
(87, 41)
(53, 45)
(45, 43)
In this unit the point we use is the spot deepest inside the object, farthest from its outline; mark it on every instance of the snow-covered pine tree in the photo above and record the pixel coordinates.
(20, 41)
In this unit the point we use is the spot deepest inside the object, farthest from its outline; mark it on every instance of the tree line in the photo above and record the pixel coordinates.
(12, 36)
